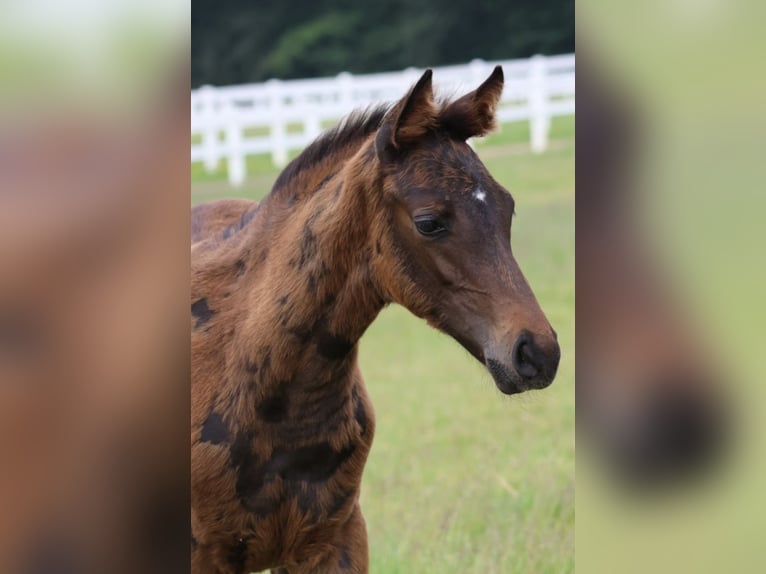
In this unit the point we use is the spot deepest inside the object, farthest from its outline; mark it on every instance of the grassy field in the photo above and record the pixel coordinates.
(461, 478)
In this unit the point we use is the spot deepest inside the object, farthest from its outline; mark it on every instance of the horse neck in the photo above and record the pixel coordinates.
(315, 295)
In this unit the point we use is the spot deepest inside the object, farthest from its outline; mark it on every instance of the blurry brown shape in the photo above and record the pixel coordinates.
(649, 399)
(93, 341)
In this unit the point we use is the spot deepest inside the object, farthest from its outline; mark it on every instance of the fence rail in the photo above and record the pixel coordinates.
(277, 117)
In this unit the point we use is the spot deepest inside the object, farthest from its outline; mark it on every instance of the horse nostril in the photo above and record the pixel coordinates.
(525, 358)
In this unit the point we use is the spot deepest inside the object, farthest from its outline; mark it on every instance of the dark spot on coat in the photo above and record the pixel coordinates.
(324, 270)
(378, 248)
(308, 503)
(240, 267)
(261, 504)
(308, 246)
(251, 367)
(214, 429)
(303, 334)
(311, 283)
(360, 414)
(326, 403)
(244, 219)
(242, 454)
(314, 463)
(333, 347)
(329, 301)
(237, 555)
(345, 558)
(250, 469)
(282, 301)
(340, 502)
(201, 312)
(248, 216)
(273, 409)
(263, 254)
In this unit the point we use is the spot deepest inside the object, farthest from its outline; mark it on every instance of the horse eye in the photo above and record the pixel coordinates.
(429, 226)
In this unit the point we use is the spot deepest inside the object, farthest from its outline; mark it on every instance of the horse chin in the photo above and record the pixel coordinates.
(506, 379)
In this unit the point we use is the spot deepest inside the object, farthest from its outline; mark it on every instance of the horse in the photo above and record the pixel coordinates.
(391, 206)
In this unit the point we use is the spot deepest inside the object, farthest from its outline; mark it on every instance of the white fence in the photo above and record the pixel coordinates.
(277, 117)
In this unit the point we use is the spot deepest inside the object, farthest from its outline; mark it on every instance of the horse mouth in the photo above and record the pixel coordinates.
(505, 379)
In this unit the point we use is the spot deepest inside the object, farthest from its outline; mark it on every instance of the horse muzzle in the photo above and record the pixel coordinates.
(532, 364)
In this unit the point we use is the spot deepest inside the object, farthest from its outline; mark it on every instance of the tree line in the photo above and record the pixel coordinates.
(236, 41)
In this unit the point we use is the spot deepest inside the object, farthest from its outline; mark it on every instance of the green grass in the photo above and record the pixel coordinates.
(462, 479)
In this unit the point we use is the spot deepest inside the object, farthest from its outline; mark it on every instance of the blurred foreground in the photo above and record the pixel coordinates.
(670, 277)
(94, 111)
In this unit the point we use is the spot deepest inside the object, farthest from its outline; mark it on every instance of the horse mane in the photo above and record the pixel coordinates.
(457, 118)
(353, 129)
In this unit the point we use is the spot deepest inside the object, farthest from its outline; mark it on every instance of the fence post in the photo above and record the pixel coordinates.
(313, 126)
(478, 72)
(345, 93)
(209, 134)
(278, 129)
(237, 170)
(539, 119)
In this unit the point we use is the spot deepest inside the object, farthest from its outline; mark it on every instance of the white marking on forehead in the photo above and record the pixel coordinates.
(480, 194)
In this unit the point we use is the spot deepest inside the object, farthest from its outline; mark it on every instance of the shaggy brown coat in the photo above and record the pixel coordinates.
(281, 293)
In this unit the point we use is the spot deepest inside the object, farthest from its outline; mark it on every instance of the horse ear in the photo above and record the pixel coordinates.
(409, 119)
(474, 114)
